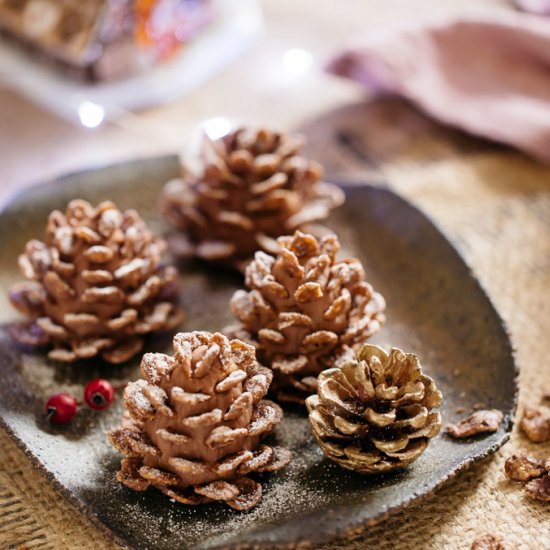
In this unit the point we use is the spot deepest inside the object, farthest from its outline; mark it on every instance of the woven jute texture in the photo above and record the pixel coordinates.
(495, 205)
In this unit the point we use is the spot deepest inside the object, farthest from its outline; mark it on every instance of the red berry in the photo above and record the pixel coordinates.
(99, 394)
(61, 408)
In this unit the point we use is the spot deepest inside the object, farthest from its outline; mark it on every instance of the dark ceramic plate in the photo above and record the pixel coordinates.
(436, 309)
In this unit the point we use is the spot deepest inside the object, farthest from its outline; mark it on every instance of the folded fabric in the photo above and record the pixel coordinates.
(540, 7)
(486, 74)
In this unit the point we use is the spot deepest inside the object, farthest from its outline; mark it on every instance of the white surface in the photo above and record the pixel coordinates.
(236, 27)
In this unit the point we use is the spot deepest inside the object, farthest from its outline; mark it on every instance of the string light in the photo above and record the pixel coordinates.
(216, 127)
(90, 114)
(297, 61)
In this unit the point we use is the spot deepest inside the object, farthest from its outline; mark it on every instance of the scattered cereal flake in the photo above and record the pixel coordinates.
(523, 467)
(539, 488)
(489, 541)
(536, 425)
(485, 421)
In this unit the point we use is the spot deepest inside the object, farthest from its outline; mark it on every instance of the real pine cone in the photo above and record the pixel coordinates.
(303, 309)
(374, 414)
(97, 285)
(251, 187)
(196, 423)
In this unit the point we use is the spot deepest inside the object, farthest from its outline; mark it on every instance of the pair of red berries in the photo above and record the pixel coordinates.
(61, 407)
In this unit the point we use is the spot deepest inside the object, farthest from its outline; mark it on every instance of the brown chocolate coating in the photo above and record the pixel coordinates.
(304, 308)
(251, 187)
(197, 419)
(97, 285)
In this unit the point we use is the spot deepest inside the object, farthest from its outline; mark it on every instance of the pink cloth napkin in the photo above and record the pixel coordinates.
(540, 7)
(489, 75)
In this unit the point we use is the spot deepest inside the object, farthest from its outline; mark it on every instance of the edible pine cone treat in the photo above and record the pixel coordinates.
(250, 188)
(196, 421)
(96, 285)
(375, 413)
(303, 309)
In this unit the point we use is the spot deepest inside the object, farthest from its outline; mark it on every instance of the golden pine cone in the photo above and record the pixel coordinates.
(96, 286)
(374, 414)
(251, 187)
(304, 308)
(196, 423)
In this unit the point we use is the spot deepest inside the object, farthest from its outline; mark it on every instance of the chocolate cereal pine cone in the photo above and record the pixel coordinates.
(375, 413)
(196, 422)
(304, 308)
(251, 187)
(95, 285)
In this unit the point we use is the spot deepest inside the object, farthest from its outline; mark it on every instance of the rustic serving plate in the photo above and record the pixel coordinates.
(436, 309)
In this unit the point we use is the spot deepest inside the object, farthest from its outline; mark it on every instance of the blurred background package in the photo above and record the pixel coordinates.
(98, 40)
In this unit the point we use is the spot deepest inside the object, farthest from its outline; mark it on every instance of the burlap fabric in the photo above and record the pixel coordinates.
(495, 205)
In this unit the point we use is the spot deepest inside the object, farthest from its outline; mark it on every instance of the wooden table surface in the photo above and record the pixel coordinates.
(35, 145)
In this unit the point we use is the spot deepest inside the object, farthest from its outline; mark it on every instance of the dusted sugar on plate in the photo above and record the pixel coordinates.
(103, 39)
(305, 307)
(96, 285)
(196, 422)
(248, 188)
(375, 413)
